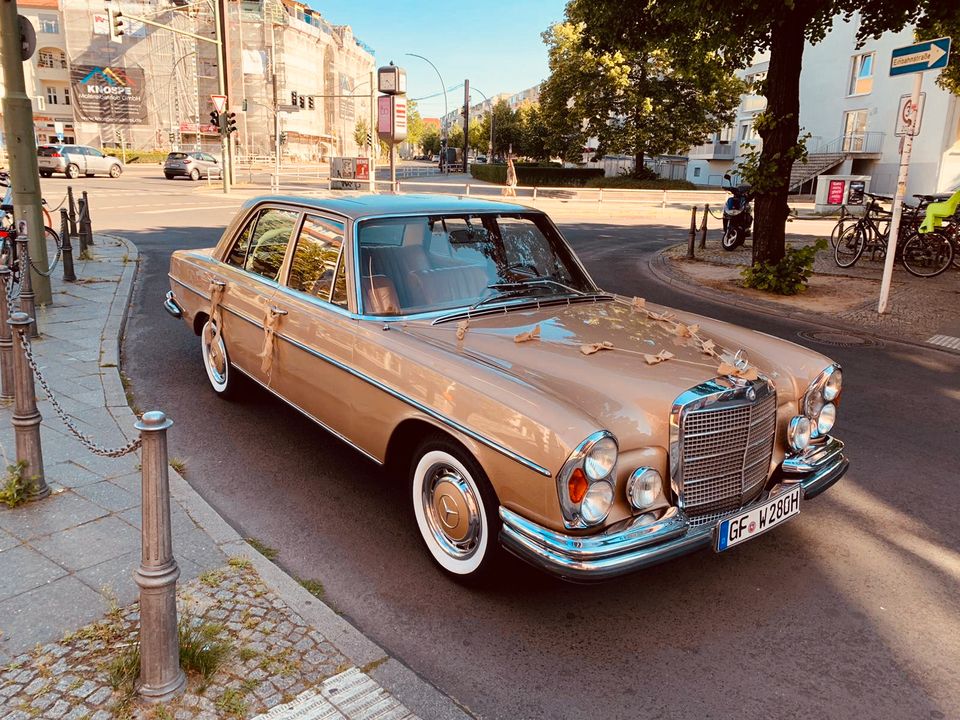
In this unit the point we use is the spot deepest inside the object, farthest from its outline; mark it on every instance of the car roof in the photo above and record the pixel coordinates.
(361, 206)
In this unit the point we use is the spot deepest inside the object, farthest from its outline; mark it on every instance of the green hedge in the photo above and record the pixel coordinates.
(534, 176)
(138, 156)
(638, 184)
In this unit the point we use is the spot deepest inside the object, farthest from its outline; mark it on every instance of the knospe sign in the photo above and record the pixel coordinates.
(106, 94)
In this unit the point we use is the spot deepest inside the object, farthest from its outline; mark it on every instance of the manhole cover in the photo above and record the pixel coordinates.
(838, 338)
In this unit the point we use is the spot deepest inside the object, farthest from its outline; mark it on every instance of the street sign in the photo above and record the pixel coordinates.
(905, 119)
(288, 108)
(921, 56)
(219, 102)
(392, 118)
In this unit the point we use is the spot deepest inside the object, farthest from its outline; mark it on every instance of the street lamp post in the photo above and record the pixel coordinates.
(443, 123)
(490, 151)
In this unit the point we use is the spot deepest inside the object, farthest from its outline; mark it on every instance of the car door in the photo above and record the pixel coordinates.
(210, 166)
(97, 162)
(75, 155)
(316, 332)
(250, 272)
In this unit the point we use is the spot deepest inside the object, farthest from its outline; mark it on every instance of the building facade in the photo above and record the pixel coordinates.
(850, 107)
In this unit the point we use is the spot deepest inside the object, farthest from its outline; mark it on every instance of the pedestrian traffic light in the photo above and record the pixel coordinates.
(231, 122)
(283, 138)
(293, 97)
(310, 102)
(243, 105)
(215, 118)
(115, 20)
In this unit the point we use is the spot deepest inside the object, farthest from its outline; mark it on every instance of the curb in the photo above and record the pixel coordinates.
(417, 694)
(660, 269)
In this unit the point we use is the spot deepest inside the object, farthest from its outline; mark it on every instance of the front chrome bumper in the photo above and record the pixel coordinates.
(170, 305)
(629, 546)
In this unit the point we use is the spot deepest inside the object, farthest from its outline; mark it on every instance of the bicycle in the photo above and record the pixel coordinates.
(868, 232)
(932, 249)
(9, 254)
(845, 220)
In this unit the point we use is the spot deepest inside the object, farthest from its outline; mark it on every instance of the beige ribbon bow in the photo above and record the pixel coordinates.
(270, 321)
(528, 335)
(216, 297)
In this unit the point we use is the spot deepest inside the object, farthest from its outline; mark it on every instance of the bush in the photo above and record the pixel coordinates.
(790, 276)
(537, 175)
(138, 156)
(632, 183)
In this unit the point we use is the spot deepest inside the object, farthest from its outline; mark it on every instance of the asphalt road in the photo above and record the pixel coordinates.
(851, 610)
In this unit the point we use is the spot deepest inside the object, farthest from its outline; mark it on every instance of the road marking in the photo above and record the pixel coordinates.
(222, 206)
(947, 341)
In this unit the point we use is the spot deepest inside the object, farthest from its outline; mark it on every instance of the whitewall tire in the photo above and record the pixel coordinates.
(456, 511)
(216, 362)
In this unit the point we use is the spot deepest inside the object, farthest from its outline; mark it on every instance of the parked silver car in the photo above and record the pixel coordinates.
(193, 165)
(76, 160)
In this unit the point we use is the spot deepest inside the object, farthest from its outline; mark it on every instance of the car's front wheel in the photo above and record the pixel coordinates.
(72, 172)
(216, 361)
(194, 174)
(115, 171)
(455, 508)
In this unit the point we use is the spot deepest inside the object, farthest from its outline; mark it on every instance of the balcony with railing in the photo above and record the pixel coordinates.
(717, 150)
(860, 144)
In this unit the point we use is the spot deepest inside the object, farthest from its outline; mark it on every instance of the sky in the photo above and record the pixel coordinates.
(494, 43)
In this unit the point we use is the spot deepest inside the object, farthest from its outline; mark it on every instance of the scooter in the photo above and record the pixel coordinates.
(737, 216)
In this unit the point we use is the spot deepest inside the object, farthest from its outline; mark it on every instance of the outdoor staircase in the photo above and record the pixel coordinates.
(816, 164)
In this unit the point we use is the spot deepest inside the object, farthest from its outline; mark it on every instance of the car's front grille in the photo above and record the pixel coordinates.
(725, 447)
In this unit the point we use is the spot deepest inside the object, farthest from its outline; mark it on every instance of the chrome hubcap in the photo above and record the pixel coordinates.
(215, 355)
(452, 511)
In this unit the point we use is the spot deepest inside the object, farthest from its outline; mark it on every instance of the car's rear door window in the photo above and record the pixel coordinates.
(268, 244)
(315, 258)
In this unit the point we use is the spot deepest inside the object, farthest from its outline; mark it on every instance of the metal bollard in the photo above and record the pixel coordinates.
(28, 302)
(66, 247)
(6, 338)
(693, 232)
(84, 225)
(86, 212)
(26, 417)
(703, 227)
(161, 678)
(73, 211)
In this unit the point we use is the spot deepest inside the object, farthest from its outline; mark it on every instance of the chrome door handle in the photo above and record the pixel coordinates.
(277, 311)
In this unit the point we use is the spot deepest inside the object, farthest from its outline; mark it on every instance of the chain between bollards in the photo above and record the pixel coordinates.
(161, 678)
(6, 338)
(66, 247)
(26, 417)
(28, 303)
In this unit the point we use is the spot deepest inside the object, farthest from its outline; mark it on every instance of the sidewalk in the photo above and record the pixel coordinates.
(920, 311)
(67, 599)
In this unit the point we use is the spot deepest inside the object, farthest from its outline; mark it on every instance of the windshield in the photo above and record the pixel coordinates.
(177, 156)
(439, 262)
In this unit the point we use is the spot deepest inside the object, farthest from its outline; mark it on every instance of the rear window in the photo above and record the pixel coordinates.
(177, 156)
(47, 151)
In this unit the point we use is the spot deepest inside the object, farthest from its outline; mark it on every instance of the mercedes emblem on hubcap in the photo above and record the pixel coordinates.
(450, 516)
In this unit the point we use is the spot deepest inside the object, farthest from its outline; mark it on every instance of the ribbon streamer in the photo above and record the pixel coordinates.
(529, 335)
(596, 347)
(216, 315)
(658, 358)
(270, 321)
(462, 329)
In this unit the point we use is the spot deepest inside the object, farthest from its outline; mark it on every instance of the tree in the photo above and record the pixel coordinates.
(360, 133)
(415, 125)
(644, 97)
(479, 135)
(732, 32)
(430, 142)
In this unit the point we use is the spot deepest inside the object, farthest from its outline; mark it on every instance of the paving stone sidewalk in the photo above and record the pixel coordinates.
(67, 561)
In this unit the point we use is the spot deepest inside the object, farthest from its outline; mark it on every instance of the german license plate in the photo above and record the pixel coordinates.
(749, 524)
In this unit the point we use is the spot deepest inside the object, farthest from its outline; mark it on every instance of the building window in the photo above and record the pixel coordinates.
(66, 96)
(861, 74)
(696, 172)
(854, 130)
(51, 58)
(49, 24)
(51, 96)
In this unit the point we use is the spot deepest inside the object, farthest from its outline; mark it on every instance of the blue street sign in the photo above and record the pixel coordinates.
(60, 137)
(926, 55)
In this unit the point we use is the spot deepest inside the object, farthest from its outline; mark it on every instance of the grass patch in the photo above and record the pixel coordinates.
(247, 654)
(232, 703)
(108, 365)
(314, 587)
(373, 665)
(14, 489)
(240, 563)
(128, 393)
(268, 552)
(179, 465)
(123, 670)
(212, 578)
(202, 650)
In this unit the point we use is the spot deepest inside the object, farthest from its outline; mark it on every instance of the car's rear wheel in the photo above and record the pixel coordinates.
(72, 172)
(115, 171)
(45, 173)
(168, 176)
(455, 508)
(216, 362)
(194, 174)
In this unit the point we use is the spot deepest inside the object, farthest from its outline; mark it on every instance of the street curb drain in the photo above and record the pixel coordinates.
(839, 338)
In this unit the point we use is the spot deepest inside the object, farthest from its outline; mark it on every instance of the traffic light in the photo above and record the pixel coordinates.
(369, 139)
(115, 18)
(302, 102)
(231, 122)
(243, 105)
(215, 118)
(310, 102)
(283, 138)
(172, 136)
(119, 135)
(293, 97)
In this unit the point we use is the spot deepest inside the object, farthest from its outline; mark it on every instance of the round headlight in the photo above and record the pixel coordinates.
(826, 418)
(813, 403)
(798, 433)
(596, 503)
(833, 385)
(601, 458)
(643, 487)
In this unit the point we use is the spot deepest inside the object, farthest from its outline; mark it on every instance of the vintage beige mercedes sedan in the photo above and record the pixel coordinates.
(462, 344)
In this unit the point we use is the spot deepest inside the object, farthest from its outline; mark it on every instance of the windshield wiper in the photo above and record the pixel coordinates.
(520, 284)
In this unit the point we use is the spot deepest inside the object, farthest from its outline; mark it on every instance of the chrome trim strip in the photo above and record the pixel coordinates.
(814, 457)
(322, 424)
(182, 284)
(423, 408)
(170, 305)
